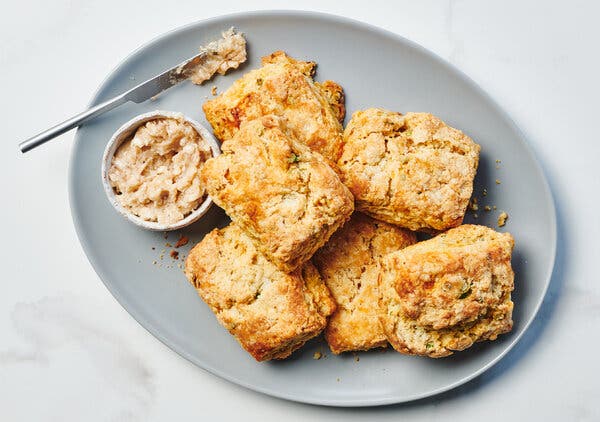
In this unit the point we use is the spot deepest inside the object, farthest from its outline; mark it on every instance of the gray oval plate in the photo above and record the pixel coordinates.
(376, 68)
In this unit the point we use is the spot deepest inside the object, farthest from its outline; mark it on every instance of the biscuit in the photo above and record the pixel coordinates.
(349, 266)
(412, 170)
(443, 294)
(283, 87)
(269, 312)
(280, 193)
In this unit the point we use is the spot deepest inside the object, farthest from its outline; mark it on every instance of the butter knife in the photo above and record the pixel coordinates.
(137, 94)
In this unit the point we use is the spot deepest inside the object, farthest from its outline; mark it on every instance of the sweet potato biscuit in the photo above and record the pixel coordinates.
(412, 170)
(283, 87)
(446, 293)
(269, 312)
(349, 265)
(285, 197)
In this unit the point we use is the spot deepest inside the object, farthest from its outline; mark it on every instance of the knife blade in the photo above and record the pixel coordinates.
(137, 94)
(165, 80)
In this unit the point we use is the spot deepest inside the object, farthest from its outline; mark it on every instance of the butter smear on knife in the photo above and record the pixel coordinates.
(223, 54)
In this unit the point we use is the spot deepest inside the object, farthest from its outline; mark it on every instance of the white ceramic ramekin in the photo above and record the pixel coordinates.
(124, 133)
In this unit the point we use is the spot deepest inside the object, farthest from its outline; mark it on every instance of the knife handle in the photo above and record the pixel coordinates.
(73, 122)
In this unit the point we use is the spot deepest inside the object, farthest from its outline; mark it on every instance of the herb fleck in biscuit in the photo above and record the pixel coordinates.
(349, 265)
(412, 170)
(446, 293)
(280, 193)
(283, 87)
(269, 312)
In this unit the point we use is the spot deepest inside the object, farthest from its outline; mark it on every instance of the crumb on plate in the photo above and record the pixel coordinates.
(183, 240)
(502, 219)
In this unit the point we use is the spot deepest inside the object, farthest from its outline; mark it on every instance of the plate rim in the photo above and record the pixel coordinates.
(337, 19)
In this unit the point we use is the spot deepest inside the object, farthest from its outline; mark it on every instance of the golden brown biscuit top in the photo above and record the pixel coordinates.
(283, 87)
(453, 278)
(230, 271)
(359, 243)
(412, 170)
(349, 266)
(412, 128)
(279, 57)
(282, 194)
(271, 313)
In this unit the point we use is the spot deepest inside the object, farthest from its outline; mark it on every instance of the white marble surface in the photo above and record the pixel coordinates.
(68, 351)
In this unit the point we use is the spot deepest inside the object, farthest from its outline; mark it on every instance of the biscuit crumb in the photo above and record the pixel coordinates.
(153, 262)
(502, 219)
(356, 358)
(473, 204)
(475, 215)
(317, 355)
(487, 208)
(495, 208)
(213, 91)
(168, 245)
(174, 254)
(498, 164)
(484, 192)
(497, 181)
(183, 240)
